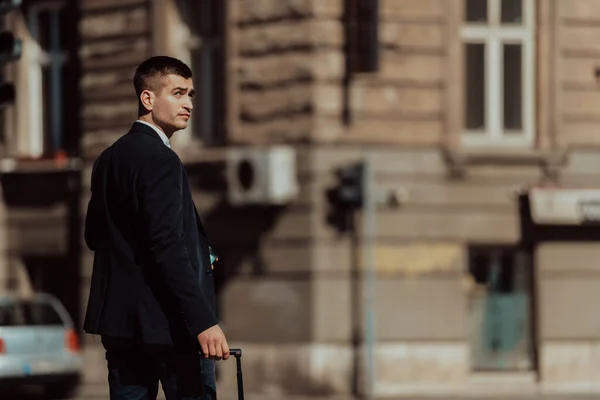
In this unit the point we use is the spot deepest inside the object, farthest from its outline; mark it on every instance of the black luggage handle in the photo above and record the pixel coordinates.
(237, 353)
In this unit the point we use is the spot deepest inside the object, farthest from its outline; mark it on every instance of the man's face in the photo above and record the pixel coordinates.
(172, 104)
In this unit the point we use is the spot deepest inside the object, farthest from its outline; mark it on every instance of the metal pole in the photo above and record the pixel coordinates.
(368, 235)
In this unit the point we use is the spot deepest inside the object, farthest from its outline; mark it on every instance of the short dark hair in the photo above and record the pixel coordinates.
(157, 67)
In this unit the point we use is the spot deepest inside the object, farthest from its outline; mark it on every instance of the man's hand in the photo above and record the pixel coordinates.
(213, 343)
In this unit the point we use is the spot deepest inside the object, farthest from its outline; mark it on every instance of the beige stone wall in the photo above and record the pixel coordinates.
(288, 64)
(115, 38)
(291, 67)
(291, 270)
(283, 49)
(404, 103)
(568, 280)
(577, 54)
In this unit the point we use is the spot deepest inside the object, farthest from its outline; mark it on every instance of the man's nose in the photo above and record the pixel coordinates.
(189, 105)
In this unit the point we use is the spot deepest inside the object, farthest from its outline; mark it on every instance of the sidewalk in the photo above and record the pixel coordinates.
(96, 388)
(100, 392)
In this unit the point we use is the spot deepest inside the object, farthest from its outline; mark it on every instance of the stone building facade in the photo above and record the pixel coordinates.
(471, 103)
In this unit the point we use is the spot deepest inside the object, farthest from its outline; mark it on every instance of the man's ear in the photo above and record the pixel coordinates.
(147, 99)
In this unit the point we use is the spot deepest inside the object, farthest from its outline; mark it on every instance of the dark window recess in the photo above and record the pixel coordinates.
(207, 22)
(476, 11)
(11, 49)
(512, 11)
(475, 87)
(513, 87)
(362, 35)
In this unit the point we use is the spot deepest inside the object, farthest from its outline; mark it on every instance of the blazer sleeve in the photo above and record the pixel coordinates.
(160, 195)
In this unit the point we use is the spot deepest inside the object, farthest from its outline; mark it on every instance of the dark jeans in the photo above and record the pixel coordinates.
(135, 369)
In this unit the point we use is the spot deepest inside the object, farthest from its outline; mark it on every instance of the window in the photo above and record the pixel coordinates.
(9, 315)
(361, 45)
(45, 27)
(29, 313)
(208, 65)
(45, 117)
(362, 35)
(37, 313)
(195, 32)
(499, 73)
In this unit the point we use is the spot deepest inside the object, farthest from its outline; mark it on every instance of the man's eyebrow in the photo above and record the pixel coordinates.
(184, 89)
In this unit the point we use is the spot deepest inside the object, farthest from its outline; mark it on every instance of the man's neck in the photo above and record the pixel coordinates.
(148, 118)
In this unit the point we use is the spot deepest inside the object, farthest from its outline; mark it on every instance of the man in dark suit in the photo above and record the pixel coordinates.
(152, 296)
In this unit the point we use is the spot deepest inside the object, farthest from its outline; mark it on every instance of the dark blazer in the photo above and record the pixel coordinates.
(152, 278)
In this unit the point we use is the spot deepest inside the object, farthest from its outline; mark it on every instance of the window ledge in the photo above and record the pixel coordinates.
(42, 165)
(470, 157)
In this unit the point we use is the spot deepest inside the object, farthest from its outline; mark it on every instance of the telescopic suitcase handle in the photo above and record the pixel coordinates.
(237, 353)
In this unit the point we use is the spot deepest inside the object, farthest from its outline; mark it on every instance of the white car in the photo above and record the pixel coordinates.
(38, 345)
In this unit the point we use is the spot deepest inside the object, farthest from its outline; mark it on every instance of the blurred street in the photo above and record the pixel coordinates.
(101, 395)
(99, 392)
(504, 397)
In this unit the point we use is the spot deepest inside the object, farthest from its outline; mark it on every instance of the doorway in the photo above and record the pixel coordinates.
(501, 317)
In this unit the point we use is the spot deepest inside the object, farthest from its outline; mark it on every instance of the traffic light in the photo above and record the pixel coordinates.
(10, 50)
(346, 196)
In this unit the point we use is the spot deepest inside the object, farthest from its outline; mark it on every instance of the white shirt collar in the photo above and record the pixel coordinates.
(162, 135)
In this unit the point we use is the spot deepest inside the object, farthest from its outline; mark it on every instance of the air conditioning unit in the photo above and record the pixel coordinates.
(262, 175)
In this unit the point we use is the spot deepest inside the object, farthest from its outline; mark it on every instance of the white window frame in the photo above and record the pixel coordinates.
(494, 35)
